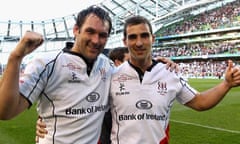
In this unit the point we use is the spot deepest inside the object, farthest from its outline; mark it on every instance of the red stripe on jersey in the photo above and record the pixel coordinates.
(166, 139)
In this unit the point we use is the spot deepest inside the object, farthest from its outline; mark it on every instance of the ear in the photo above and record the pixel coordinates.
(153, 38)
(124, 42)
(76, 30)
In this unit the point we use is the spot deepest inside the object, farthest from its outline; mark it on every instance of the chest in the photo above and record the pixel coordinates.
(70, 81)
(128, 92)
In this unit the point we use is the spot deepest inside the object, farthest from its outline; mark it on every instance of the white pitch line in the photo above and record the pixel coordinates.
(209, 127)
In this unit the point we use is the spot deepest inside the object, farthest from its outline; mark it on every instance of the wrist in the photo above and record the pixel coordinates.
(227, 84)
(15, 56)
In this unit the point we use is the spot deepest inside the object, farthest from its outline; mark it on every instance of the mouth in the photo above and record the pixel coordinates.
(140, 50)
(93, 47)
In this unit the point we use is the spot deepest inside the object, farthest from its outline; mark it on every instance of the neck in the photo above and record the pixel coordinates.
(143, 64)
(78, 52)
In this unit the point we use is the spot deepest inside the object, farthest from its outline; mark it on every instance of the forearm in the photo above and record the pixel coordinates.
(209, 98)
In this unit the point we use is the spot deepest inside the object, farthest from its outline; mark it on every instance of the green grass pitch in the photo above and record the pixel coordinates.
(220, 125)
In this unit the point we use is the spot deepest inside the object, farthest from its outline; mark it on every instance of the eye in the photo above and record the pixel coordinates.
(90, 31)
(103, 35)
(132, 37)
(145, 35)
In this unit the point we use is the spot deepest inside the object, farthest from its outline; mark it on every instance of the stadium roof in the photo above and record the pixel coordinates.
(159, 12)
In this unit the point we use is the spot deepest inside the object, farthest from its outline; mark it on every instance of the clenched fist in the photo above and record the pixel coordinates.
(28, 43)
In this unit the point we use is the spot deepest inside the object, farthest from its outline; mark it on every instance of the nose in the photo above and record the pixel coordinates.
(139, 42)
(95, 38)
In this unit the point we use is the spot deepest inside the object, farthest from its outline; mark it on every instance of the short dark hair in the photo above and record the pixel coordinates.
(135, 20)
(118, 53)
(98, 11)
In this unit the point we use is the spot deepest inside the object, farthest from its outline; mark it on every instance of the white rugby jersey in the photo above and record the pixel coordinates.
(71, 102)
(141, 110)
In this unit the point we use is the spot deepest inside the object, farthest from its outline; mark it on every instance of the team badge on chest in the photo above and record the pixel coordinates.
(162, 87)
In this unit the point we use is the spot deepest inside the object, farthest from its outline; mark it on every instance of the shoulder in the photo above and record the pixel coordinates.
(104, 58)
(40, 59)
(123, 68)
(45, 56)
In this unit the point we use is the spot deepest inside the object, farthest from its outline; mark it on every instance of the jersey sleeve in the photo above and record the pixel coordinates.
(33, 80)
(187, 93)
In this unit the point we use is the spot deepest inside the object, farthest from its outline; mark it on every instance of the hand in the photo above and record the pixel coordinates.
(40, 129)
(232, 75)
(28, 43)
(170, 64)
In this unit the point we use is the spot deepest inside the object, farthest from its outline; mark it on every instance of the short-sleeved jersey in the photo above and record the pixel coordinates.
(141, 108)
(71, 102)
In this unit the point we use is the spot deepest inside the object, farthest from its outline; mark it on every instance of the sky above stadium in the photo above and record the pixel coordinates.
(38, 10)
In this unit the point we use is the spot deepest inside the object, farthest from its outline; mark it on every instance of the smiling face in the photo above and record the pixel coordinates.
(139, 41)
(91, 38)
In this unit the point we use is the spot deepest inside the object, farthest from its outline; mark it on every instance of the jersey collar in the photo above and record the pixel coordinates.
(89, 64)
(140, 72)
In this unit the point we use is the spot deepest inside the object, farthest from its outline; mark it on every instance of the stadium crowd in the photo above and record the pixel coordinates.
(203, 69)
(224, 17)
(197, 49)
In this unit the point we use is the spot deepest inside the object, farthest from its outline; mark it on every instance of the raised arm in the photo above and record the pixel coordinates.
(11, 102)
(211, 97)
